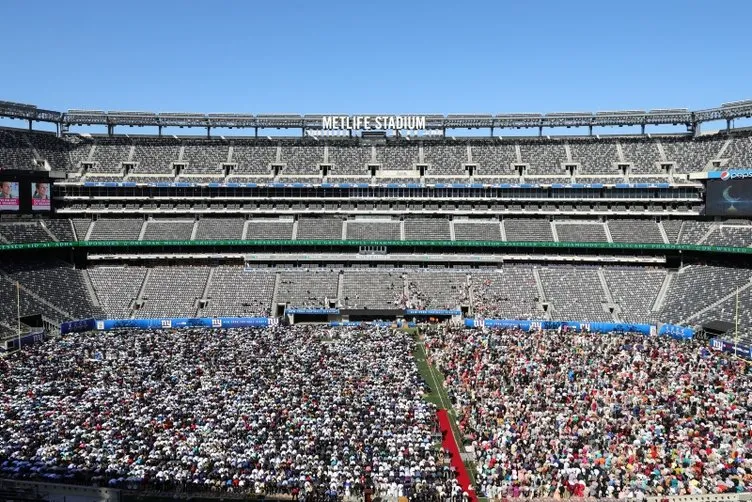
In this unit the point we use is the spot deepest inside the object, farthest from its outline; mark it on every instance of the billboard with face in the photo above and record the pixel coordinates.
(40, 196)
(9, 200)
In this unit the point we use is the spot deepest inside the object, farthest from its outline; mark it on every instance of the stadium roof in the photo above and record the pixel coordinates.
(727, 111)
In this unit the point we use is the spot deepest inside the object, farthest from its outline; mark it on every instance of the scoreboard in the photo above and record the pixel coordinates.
(25, 192)
(728, 197)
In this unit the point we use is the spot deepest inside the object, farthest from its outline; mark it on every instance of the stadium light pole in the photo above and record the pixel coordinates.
(18, 311)
(736, 334)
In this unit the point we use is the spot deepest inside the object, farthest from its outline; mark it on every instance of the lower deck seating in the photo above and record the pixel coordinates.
(383, 291)
(320, 228)
(13, 302)
(509, 292)
(16, 233)
(239, 291)
(581, 232)
(636, 231)
(115, 229)
(58, 284)
(437, 289)
(220, 229)
(168, 230)
(363, 230)
(698, 286)
(575, 293)
(259, 229)
(635, 290)
(159, 295)
(473, 230)
(60, 292)
(117, 288)
(308, 287)
(528, 230)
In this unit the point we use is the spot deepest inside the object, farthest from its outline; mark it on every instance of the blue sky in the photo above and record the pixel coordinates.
(375, 57)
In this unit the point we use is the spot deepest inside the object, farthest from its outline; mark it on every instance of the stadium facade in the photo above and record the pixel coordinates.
(377, 223)
(645, 237)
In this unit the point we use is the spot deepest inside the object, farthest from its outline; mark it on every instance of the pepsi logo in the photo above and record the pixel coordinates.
(725, 175)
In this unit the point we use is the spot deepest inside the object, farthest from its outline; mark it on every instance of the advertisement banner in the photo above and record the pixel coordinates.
(382, 324)
(9, 200)
(37, 335)
(729, 197)
(171, 323)
(183, 322)
(535, 325)
(40, 197)
(674, 331)
(432, 312)
(311, 311)
(731, 347)
(730, 174)
(79, 326)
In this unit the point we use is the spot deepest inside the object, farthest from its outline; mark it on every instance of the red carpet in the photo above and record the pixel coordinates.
(463, 478)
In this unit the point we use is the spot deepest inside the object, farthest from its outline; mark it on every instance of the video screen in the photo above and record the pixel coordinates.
(40, 197)
(9, 200)
(729, 198)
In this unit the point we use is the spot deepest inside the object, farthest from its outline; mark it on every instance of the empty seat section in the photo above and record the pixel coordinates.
(320, 228)
(159, 295)
(259, 229)
(528, 230)
(239, 291)
(363, 230)
(115, 229)
(476, 230)
(308, 287)
(117, 288)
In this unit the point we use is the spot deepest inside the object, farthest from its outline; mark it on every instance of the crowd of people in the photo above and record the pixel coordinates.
(302, 411)
(560, 415)
(330, 413)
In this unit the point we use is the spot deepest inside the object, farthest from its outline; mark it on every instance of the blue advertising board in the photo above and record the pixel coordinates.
(534, 325)
(311, 311)
(165, 323)
(432, 312)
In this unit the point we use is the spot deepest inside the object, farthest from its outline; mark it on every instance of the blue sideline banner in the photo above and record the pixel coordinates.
(167, 323)
(432, 312)
(311, 311)
(77, 326)
(731, 347)
(642, 185)
(384, 324)
(674, 331)
(110, 184)
(408, 312)
(183, 322)
(596, 327)
(35, 336)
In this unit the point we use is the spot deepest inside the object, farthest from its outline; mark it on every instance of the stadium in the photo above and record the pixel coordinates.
(375, 313)
(334, 251)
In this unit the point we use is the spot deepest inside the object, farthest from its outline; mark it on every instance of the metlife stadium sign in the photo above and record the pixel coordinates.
(374, 122)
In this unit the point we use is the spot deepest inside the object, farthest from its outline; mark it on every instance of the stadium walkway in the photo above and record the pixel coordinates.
(463, 478)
